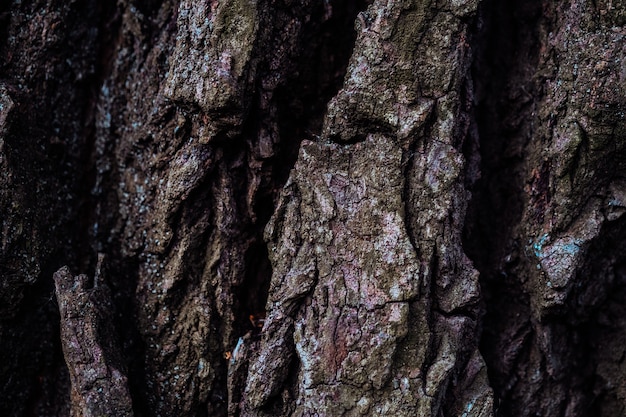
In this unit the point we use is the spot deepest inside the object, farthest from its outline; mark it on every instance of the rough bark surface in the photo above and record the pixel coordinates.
(90, 345)
(557, 247)
(370, 323)
(371, 207)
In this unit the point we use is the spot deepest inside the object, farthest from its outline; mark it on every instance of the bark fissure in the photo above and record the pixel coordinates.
(540, 136)
(312, 208)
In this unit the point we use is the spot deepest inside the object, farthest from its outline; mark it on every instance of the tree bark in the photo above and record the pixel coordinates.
(372, 207)
(552, 175)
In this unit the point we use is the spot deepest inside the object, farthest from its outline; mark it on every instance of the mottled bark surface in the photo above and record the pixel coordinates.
(373, 303)
(312, 208)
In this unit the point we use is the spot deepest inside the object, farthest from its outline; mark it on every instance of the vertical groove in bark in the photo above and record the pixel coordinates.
(561, 120)
(506, 59)
(47, 64)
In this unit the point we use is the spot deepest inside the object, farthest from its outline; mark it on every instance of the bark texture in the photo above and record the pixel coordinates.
(369, 322)
(90, 346)
(553, 269)
(408, 207)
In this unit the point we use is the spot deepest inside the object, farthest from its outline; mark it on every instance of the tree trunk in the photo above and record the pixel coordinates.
(365, 207)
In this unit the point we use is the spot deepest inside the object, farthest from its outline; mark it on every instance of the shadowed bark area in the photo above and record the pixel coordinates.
(286, 196)
(551, 120)
(47, 75)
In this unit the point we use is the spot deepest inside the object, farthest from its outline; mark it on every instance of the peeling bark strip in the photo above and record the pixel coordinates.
(99, 383)
(360, 320)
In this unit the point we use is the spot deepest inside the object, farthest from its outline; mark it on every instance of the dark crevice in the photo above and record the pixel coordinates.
(300, 105)
(600, 308)
(347, 141)
(326, 49)
(301, 102)
(409, 159)
(505, 59)
(132, 347)
(500, 72)
(108, 26)
(254, 294)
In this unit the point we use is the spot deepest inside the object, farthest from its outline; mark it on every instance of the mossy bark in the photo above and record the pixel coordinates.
(368, 207)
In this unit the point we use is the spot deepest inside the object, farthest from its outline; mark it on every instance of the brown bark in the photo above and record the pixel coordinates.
(288, 194)
(552, 268)
(90, 345)
(373, 303)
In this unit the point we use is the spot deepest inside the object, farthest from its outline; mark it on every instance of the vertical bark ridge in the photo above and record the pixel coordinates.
(188, 171)
(91, 345)
(347, 278)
